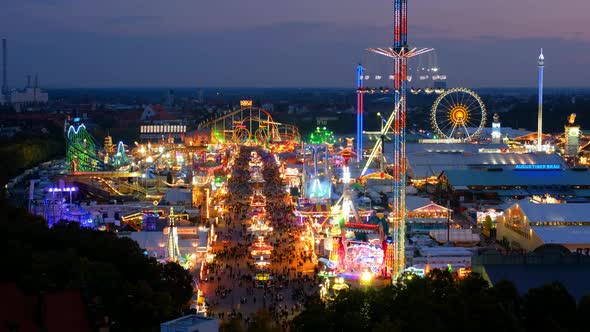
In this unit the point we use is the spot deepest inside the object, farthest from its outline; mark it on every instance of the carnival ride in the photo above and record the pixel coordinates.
(429, 78)
(458, 113)
(377, 149)
(249, 125)
(319, 185)
(400, 52)
(146, 219)
(353, 241)
(82, 152)
(115, 170)
(377, 75)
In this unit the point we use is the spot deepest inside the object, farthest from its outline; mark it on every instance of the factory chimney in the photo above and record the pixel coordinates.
(4, 60)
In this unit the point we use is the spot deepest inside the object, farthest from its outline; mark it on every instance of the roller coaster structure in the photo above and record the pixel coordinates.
(81, 149)
(249, 125)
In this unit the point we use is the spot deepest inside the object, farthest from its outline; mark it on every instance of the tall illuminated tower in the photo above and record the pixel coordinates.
(400, 52)
(496, 130)
(359, 113)
(541, 65)
(172, 241)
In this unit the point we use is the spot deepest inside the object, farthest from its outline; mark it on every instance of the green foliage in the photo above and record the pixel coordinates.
(549, 308)
(115, 277)
(262, 321)
(440, 302)
(26, 154)
(488, 223)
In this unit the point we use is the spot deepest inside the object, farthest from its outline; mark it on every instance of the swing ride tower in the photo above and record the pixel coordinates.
(400, 52)
(359, 113)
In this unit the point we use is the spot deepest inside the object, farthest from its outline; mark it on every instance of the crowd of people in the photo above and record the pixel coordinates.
(229, 286)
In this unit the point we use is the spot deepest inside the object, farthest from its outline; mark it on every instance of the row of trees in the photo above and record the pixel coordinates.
(25, 154)
(115, 277)
(440, 302)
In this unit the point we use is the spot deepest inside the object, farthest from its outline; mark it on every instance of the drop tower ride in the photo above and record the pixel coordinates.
(400, 52)
(541, 65)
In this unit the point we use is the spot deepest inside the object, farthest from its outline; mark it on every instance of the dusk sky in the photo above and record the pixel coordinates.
(303, 43)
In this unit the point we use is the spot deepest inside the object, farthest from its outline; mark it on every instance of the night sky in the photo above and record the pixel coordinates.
(303, 43)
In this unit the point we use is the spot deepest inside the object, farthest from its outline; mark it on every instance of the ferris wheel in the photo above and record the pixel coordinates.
(458, 113)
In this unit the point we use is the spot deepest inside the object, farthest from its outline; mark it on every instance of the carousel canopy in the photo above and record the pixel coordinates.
(315, 209)
(360, 227)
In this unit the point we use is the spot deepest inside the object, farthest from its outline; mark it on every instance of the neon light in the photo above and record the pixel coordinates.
(71, 129)
(66, 189)
(359, 116)
(537, 167)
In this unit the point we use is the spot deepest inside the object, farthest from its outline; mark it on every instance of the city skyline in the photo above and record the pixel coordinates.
(266, 44)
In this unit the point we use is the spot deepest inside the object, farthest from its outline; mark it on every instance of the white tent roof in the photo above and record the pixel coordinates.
(573, 212)
(563, 234)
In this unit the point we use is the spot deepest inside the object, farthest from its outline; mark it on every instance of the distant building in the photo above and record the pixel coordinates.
(157, 123)
(31, 94)
(268, 106)
(430, 160)
(423, 216)
(191, 323)
(326, 120)
(10, 131)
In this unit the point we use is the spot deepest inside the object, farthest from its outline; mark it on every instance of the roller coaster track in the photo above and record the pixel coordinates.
(256, 121)
(134, 188)
(108, 185)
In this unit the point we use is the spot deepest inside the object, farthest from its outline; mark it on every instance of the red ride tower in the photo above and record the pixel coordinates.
(400, 52)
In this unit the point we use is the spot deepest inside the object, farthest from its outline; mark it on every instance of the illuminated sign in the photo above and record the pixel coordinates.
(146, 129)
(182, 230)
(59, 190)
(543, 167)
(246, 103)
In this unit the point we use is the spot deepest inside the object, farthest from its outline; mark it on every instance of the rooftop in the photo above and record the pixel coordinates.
(415, 202)
(433, 162)
(188, 321)
(563, 234)
(574, 212)
(524, 178)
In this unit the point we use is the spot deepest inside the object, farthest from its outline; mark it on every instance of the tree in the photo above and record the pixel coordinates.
(583, 320)
(262, 321)
(549, 308)
(442, 302)
(115, 277)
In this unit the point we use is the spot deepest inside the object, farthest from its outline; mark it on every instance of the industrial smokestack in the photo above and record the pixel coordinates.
(28, 81)
(36, 81)
(4, 60)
